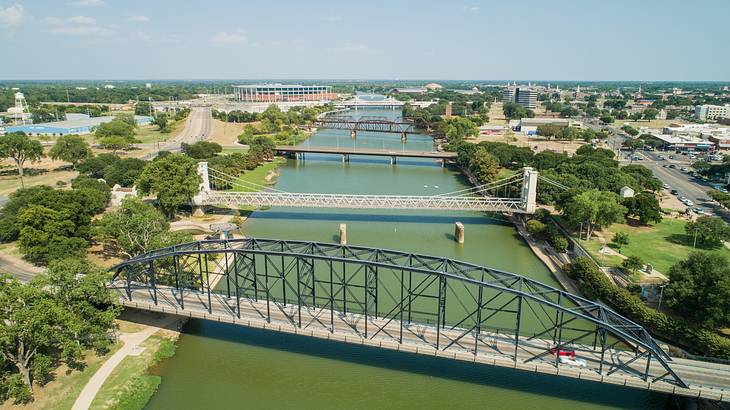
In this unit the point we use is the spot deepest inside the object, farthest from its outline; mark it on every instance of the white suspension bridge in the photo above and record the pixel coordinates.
(514, 194)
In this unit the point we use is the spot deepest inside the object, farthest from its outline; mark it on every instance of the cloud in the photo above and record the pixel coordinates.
(138, 18)
(76, 26)
(88, 3)
(236, 37)
(12, 16)
(471, 8)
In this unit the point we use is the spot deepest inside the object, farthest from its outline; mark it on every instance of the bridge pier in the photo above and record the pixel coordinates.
(404, 136)
(459, 232)
(345, 158)
(393, 160)
(343, 234)
(353, 134)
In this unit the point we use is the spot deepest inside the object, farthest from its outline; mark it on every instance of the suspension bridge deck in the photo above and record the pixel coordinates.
(367, 152)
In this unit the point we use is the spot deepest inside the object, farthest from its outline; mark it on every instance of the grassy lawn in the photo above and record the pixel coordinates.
(233, 150)
(63, 391)
(258, 176)
(150, 133)
(130, 386)
(11, 183)
(661, 245)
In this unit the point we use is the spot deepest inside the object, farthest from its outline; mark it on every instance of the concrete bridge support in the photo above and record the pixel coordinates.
(393, 160)
(353, 134)
(345, 158)
(343, 234)
(529, 190)
(404, 136)
(459, 232)
(198, 200)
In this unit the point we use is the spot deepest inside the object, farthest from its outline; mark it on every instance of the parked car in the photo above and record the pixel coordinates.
(699, 211)
(684, 169)
(675, 192)
(666, 186)
(688, 202)
(671, 157)
(672, 166)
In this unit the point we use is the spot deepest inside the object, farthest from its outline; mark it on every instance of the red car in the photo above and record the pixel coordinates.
(563, 352)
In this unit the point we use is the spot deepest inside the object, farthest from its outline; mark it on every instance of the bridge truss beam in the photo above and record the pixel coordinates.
(440, 303)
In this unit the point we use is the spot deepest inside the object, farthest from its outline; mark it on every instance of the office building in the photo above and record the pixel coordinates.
(524, 96)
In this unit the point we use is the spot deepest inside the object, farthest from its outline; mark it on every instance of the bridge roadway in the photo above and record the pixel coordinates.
(705, 380)
(366, 152)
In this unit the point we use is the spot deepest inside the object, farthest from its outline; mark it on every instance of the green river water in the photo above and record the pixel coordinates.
(224, 366)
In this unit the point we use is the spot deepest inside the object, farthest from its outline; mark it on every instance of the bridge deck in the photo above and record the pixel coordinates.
(705, 380)
(366, 152)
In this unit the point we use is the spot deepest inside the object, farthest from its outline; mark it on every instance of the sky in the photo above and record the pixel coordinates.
(642, 40)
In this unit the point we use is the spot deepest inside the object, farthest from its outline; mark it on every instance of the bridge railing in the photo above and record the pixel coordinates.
(464, 307)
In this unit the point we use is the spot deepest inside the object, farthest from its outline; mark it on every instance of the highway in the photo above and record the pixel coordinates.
(198, 127)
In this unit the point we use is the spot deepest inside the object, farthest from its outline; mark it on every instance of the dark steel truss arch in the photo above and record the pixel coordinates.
(365, 123)
(467, 306)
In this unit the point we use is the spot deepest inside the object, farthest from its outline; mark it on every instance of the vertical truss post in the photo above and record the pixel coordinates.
(602, 331)
(557, 312)
(266, 283)
(299, 293)
(128, 285)
(235, 284)
(367, 269)
(519, 315)
(283, 275)
(207, 284)
(479, 316)
(151, 274)
(228, 278)
(648, 363)
(332, 300)
(255, 280)
(560, 340)
(176, 262)
(441, 308)
(410, 288)
(344, 283)
(400, 336)
(200, 268)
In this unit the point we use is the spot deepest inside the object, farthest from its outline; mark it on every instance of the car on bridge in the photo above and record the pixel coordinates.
(573, 362)
(563, 352)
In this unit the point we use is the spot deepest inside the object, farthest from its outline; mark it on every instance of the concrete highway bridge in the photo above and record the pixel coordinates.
(412, 303)
(300, 151)
(514, 194)
(357, 103)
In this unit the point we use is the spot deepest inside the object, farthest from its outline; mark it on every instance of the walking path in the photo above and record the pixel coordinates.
(132, 342)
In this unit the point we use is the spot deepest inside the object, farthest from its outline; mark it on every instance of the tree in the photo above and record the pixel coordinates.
(650, 113)
(201, 149)
(708, 230)
(514, 111)
(597, 209)
(53, 318)
(123, 172)
(699, 288)
(116, 134)
(484, 166)
(635, 116)
(71, 148)
(47, 234)
(643, 206)
(20, 148)
(630, 130)
(620, 239)
(535, 227)
(136, 228)
(172, 178)
(606, 119)
(161, 121)
(632, 264)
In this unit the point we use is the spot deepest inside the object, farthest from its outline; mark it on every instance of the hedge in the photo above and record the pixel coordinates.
(594, 284)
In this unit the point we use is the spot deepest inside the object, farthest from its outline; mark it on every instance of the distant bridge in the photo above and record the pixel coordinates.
(300, 151)
(514, 194)
(357, 103)
(365, 123)
(408, 302)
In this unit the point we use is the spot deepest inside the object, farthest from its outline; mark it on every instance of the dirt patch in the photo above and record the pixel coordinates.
(272, 175)
(226, 133)
(537, 144)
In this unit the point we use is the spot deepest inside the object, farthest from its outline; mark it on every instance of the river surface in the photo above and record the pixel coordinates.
(224, 366)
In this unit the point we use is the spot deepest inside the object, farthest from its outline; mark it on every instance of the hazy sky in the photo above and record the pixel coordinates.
(366, 39)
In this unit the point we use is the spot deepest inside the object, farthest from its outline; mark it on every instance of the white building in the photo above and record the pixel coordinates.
(626, 192)
(712, 112)
(524, 96)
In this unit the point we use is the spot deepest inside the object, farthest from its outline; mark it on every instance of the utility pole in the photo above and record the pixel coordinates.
(661, 295)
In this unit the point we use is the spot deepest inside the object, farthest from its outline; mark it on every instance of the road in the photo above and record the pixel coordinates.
(18, 268)
(198, 127)
(693, 189)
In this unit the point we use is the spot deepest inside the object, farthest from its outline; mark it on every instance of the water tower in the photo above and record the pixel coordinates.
(20, 110)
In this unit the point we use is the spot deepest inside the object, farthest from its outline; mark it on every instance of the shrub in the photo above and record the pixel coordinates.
(535, 227)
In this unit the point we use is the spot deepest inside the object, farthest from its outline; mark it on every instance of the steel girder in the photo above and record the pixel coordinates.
(372, 124)
(417, 278)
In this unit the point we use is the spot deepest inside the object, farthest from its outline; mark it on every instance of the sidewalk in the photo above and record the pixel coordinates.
(132, 342)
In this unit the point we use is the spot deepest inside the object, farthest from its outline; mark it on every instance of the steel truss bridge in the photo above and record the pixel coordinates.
(405, 301)
(365, 123)
(515, 194)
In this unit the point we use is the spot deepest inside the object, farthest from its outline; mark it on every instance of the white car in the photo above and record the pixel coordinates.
(688, 203)
(666, 186)
(573, 362)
